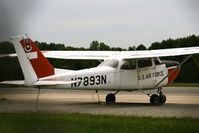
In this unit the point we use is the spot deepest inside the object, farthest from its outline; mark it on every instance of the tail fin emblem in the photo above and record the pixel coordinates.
(28, 47)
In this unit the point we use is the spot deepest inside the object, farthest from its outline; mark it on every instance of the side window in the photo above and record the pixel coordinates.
(144, 63)
(129, 65)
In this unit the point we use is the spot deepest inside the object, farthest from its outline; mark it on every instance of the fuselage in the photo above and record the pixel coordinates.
(119, 74)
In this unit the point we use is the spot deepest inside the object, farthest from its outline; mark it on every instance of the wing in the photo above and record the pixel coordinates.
(81, 55)
(161, 53)
(103, 55)
(93, 55)
(76, 55)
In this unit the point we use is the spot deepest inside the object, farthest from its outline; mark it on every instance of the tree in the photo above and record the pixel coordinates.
(141, 47)
(6, 47)
(104, 47)
(132, 48)
(94, 45)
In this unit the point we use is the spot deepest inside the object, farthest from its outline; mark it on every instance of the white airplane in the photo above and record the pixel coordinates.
(119, 71)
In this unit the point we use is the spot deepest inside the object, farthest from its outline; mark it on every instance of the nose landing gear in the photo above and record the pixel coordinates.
(110, 98)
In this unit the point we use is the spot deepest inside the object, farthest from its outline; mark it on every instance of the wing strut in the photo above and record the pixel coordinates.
(36, 108)
(185, 60)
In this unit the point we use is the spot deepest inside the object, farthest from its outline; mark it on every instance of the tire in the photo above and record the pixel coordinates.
(162, 99)
(110, 98)
(154, 99)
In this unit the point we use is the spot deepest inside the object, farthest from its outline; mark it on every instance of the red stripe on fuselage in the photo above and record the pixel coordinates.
(173, 73)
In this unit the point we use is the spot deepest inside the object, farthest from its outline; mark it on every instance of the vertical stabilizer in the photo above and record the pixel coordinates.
(33, 64)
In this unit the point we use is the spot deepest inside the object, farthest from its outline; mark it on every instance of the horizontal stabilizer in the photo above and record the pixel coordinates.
(38, 83)
(50, 82)
(13, 82)
(8, 55)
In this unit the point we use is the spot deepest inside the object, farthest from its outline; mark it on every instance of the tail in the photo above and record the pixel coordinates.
(33, 63)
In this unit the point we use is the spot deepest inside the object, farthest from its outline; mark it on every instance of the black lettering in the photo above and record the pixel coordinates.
(97, 80)
(103, 79)
(143, 77)
(74, 84)
(80, 80)
(148, 75)
(162, 74)
(92, 80)
(139, 77)
(86, 82)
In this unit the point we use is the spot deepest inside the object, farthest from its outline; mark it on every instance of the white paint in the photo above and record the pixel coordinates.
(27, 69)
(112, 78)
(32, 55)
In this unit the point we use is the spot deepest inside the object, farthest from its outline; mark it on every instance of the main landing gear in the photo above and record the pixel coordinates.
(159, 98)
(110, 98)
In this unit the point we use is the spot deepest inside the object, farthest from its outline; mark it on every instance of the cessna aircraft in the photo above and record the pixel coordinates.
(119, 71)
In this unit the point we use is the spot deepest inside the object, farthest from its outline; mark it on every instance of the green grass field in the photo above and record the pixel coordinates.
(84, 123)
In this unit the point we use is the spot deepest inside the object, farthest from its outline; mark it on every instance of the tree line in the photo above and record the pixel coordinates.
(10, 69)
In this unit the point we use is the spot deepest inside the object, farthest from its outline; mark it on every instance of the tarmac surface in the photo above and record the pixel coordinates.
(181, 102)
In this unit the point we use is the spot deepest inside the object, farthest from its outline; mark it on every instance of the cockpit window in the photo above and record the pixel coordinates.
(112, 63)
(144, 63)
(129, 65)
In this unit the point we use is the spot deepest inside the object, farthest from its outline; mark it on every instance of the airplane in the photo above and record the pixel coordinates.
(118, 71)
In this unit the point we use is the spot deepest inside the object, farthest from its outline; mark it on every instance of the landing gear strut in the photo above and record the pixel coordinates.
(110, 98)
(158, 99)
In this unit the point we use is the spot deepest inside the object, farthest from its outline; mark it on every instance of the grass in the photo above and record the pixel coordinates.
(84, 123)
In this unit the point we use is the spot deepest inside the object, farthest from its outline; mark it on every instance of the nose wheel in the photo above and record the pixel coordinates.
(110, 98)
(158, 99)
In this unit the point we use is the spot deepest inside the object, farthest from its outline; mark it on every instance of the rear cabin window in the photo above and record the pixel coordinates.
(112, 63)
(129, 65)
(144, 63)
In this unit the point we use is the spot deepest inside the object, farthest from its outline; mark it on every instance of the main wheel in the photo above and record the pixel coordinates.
(154, 99)
(162, 99)
(110, 98)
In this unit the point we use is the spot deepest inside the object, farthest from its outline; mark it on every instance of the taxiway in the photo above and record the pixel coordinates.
(181, 102)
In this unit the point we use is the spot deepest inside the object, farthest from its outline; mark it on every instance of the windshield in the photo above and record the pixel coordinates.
(112, 63)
